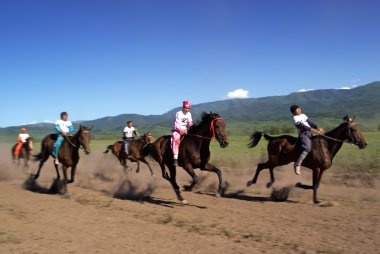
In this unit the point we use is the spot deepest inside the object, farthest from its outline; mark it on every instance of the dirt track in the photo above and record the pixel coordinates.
(89, 219)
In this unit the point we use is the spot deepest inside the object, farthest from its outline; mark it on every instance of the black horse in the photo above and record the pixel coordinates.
(68, 152)
(194, 151)
(285, 149)
(25, 152)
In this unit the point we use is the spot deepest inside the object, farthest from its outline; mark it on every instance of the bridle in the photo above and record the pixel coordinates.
(212, 130)
(339, 140)
(80, 142)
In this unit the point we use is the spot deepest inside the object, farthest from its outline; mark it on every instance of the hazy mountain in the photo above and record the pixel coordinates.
(326, 106)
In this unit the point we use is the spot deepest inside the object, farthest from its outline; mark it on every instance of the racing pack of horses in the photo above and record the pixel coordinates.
(194, 152)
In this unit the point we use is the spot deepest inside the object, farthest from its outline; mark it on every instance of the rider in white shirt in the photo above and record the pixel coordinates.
(183, 121)
(305, 128)
(63, 128)
(129, 134)
(22, 138)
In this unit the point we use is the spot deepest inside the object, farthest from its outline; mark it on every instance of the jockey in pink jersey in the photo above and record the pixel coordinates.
(182, 123)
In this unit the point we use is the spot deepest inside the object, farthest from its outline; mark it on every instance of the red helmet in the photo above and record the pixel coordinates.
(186, 104)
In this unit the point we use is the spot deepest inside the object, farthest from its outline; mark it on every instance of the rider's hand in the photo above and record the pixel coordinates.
(64, 133)
(321, 130)
(184, 132)
(316, 131)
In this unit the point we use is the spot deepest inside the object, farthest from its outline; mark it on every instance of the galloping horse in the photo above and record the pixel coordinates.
(25, 152)
(68, 152)
(194, 151)
(135, 151)
(285, 149)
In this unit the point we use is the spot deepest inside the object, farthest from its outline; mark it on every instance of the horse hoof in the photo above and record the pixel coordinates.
(187, 188)
(249, 183)
(36, 177)
(299, 184)
(269, 184)
(218, 195)
(184, 202)
(317, 202)
(71, 181)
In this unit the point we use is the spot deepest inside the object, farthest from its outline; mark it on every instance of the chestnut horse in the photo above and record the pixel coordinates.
(285, 149)
(68, 152)
(135, 151)
(194, 152)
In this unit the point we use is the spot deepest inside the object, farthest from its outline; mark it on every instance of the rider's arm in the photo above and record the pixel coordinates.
(190, 121)
(177, 124)
(312, 125)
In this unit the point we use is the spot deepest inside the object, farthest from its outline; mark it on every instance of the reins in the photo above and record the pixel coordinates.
(212, 130)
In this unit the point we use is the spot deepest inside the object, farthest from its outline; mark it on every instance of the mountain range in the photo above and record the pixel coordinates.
(325, 106)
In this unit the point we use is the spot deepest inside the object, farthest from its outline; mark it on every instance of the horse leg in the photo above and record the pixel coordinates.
(211, 168)
(269, 184)
(189, 169)
(260, 167)
(173, 181)
(317, 175)
(73, 171)
(138, 167)
(65, 180)
(164, 173)
(147, 163)
(42, 161)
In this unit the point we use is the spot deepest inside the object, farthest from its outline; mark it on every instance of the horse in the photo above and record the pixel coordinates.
(285, 149)
(25, 152)
(135, 152)
(194, 152)
(68, 152)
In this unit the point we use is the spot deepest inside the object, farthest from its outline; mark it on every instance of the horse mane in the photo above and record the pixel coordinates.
(333, 132)
(205, 118)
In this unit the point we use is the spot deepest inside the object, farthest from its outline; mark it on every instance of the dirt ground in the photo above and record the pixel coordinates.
(97, 215)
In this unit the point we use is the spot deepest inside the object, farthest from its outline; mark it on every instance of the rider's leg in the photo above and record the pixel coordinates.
(17, 149)
(306, 148)
(56, 147)
(176, 139)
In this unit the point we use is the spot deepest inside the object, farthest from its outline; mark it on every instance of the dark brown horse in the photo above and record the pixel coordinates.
(285, 149)
(135, 152)
(25, 152)
(194, 152)
(68, 154)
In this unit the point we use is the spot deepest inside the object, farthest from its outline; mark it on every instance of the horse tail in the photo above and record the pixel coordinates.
(109, 148)
(37, 157)
(255, 139)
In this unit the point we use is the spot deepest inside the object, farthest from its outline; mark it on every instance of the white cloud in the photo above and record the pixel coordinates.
(32, 122)
(47, 121)
(345, 88)
(238, 94)
(302, 90)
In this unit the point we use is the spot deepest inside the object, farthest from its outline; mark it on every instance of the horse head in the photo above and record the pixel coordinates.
(148, 137)
(85, 138)
(218, 129)
(29, 142)
(354, 135)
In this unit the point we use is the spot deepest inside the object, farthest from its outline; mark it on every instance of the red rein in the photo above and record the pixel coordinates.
(212, 130)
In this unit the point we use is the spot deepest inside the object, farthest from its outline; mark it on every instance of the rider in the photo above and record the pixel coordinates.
(129, 134)
(305, 128)
(183, 121)
(63, 128)
(22, 138)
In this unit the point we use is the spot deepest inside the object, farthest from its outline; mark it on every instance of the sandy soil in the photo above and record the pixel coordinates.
(97, 215)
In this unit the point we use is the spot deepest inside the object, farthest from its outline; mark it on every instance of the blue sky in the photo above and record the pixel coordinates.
(99, 58)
